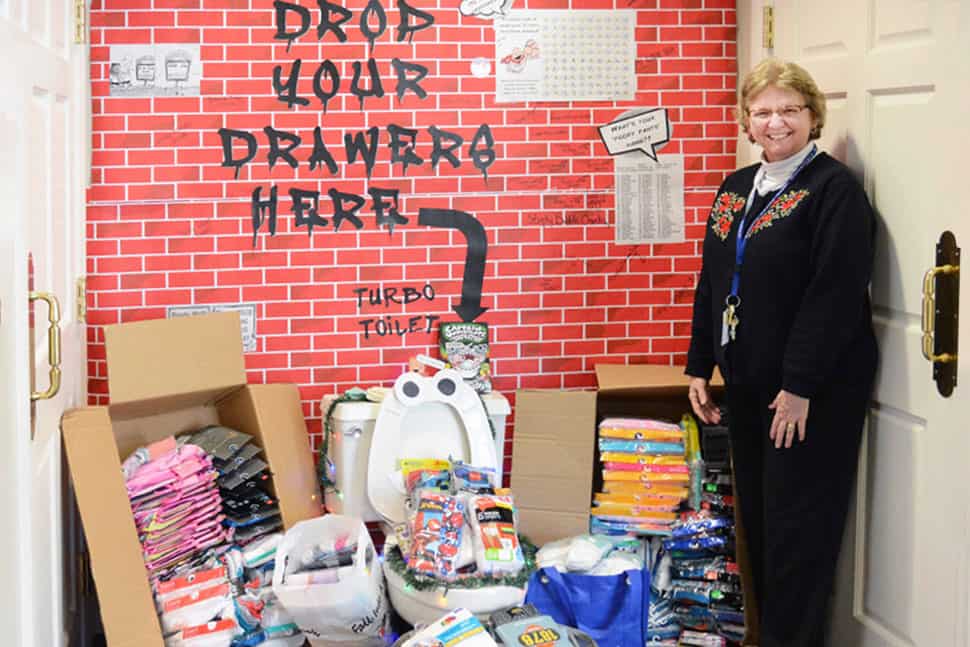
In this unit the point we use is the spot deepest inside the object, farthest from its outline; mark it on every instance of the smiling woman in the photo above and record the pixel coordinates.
(782, 307)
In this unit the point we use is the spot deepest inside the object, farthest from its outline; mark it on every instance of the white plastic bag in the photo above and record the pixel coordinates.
(348, 606)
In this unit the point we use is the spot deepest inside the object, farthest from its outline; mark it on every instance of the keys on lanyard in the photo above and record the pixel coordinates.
(729, 319)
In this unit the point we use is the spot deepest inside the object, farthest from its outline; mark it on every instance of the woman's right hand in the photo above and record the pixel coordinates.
(700, 401)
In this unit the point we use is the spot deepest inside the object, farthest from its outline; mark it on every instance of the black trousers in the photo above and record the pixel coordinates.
(793, 504)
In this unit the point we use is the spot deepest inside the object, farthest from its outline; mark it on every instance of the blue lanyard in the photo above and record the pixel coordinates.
(742, 240)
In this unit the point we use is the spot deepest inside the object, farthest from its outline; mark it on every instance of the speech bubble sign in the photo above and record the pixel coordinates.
(644, 131)
(485, 8)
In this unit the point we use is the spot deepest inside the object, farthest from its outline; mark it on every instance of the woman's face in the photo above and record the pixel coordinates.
(780, 122)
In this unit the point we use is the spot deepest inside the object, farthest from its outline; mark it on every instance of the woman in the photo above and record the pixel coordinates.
(784, 313)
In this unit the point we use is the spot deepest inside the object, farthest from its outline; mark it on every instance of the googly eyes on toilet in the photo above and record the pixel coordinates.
(446, 383)
(410, 389)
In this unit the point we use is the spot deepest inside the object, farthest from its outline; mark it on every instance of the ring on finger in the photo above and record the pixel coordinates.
(790, 427)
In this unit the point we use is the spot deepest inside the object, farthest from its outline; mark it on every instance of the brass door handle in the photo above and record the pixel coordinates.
(53, 345)
(929, 312)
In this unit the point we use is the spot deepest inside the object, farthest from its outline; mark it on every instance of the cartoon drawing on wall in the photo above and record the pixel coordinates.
(485, 8)
(155, 70)
(119, 74)
(515, 60)
(145, 70)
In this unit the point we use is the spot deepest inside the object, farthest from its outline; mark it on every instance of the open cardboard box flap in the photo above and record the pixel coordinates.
(173, 363)
(169, 377)
(625, 379)
(116, 559)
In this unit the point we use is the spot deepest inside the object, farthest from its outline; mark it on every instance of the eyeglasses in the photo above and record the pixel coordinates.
(786, 112)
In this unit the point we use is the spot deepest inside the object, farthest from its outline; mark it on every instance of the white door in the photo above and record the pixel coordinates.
(897, 77)
(43, 133)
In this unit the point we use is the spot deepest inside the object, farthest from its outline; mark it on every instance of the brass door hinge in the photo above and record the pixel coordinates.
(80, 22)
(768, 27)
(81, 299)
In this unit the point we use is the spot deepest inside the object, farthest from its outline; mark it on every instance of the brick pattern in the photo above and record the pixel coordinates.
(167, 225)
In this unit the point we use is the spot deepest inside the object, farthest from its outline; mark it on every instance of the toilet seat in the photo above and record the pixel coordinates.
(425, 417)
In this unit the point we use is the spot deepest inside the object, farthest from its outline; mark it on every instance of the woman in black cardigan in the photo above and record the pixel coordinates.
(784, 313)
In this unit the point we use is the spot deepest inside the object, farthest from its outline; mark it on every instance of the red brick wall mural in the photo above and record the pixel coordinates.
(338, 166)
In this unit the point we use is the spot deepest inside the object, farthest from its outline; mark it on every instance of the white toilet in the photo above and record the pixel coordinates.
(420, 417)
(353, 426)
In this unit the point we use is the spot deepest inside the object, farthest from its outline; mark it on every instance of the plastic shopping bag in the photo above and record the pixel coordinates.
(343, 603)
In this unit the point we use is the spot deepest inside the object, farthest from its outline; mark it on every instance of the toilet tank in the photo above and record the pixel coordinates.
(353, 428)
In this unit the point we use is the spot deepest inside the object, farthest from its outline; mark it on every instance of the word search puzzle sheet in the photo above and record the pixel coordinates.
(574, 55)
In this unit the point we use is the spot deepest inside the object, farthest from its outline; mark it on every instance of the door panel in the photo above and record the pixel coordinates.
(42, 113)
(895, 73)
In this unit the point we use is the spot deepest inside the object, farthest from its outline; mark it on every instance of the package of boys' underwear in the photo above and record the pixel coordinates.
(459, 628)
(436, 532)
(475, 480)
(702, 639)
(238, 459)
(696, 524)
(250, 469)
(497, 547)
(221, 443)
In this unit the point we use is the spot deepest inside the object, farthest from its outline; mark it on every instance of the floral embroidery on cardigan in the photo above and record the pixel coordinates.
(780, 208)
(726, 206)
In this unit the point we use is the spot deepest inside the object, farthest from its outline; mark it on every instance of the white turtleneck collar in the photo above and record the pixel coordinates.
(772, 175)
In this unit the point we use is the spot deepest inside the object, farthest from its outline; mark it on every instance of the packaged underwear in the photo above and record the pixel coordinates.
(497, 547)
(436, 532)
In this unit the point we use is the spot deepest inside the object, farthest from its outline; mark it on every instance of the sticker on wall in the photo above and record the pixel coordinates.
(485, 8)
(565, 55)
(247, 317)
(646, 131)
(155, 70)
(481, 67)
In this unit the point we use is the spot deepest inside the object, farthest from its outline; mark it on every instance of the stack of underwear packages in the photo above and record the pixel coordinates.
(457, 523)
(697, 588)
(207, 525)
(645, 477)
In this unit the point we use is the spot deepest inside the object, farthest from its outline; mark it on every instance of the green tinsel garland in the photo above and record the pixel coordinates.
(394, 559)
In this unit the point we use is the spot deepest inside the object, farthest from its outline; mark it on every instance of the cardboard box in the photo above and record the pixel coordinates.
(167, 377)
(554, 457)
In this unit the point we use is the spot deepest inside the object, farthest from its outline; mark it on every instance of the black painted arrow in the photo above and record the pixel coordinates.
(471, 283)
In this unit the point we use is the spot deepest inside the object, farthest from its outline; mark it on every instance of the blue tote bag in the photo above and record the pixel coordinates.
(612, 609)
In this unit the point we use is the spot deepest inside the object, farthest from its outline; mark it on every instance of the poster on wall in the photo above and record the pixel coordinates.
(560, 55)
(649, 198)
(169, 70)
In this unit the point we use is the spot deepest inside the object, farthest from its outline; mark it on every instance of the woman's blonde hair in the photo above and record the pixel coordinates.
(786, 75)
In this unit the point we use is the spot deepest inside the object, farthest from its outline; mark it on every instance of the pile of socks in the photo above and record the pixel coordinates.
(645, 477)
(704, 589)
(176, 505)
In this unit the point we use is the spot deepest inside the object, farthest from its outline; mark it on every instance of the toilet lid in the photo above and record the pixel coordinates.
(425, 417)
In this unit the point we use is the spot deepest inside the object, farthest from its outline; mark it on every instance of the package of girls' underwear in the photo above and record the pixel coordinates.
(436, 535)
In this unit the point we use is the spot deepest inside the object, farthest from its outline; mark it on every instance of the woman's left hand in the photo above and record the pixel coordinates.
(791, 415)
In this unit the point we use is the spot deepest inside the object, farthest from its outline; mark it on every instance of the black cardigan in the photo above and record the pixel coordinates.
(805, 318)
